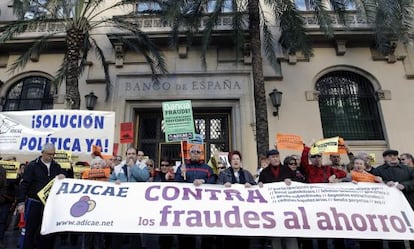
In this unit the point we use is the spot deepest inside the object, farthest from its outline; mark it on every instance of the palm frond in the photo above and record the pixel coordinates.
(142, 44)
(293, 37)
(268, 44)
(38, 46)
(323, 17)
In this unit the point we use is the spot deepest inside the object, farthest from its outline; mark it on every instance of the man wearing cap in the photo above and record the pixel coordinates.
(273, 173)
(400, 176)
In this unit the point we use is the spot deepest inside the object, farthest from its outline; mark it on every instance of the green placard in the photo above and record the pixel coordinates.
(178, 120)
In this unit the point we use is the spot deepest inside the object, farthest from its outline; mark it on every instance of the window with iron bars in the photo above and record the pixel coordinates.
(348, 107)
(214, 126)
(30, 93)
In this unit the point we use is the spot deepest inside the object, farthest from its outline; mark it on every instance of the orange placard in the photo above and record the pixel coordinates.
(187, 147)
(341, 146)
(289, 142)
(126, 133)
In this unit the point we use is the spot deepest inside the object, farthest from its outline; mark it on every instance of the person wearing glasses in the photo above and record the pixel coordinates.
(37, 175)
(195, 171)
(293, 171)
(315, 172)
(166, 172)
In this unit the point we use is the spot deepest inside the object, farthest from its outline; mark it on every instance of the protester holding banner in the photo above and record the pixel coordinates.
(315, 172)
(293, 171)
(37, 175)
(166, 174)
(276, 172)
(130, 170)
(235, 175)
(400, 176)
(197, 172)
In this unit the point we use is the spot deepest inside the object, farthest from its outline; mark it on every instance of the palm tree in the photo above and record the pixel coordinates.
(80, 18)
(392, 19)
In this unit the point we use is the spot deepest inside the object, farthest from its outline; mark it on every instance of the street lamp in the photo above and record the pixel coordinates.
(90, 101)
(276, 98)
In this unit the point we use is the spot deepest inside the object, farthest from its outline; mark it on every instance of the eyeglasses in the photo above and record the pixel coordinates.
(195, 151)
(402, 159)
(164, 164)
(221, 167)
(315, 156)
(293, 164)
(150, 165)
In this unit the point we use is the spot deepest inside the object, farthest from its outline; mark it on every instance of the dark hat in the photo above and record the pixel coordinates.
(272, 152)
(390, 152)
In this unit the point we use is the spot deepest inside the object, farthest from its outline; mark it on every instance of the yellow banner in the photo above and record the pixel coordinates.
(325, 146)
(63, 157)
(11, 168)
(44, 192)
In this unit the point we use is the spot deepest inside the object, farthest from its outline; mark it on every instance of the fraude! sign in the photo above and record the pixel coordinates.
(75, 131)
(301, 210)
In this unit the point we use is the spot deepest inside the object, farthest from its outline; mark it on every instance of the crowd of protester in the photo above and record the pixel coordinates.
(19, 195)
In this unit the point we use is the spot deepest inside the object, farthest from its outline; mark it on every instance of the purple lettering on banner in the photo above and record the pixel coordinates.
(337, 217)
(164, 212)
(255, 195)
(359, 222)
(383, 219)
(217, 218)
(170, 195)
(249, 217)
(304, 218)
(398, 227)
(195, 220)
(232, 217)
(231, 193)
(325, 223)
(148, 196)
(213, 193)
(292, 220)
(371, 221)
(196, 195)
(268, 216)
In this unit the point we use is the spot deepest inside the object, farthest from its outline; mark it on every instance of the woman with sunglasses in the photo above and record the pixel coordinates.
(292, 170)
(166, 172)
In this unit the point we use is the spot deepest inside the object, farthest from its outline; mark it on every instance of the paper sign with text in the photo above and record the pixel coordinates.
(178, 120)
(126, 133)
(289, 142)
(11, 168)
(325, 146)
(342, 210)
(70, 130)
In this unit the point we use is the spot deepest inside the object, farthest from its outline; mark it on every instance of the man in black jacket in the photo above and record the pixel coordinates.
(37, 175)
(400, 176)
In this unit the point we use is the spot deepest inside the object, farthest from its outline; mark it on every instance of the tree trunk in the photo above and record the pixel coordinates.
(74, 40)
(262, 130)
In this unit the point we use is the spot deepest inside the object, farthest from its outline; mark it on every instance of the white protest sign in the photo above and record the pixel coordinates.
(75, 131)
(343, 210)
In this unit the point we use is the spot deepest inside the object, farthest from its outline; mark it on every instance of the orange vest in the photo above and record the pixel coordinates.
(97, 174)
(362, 176)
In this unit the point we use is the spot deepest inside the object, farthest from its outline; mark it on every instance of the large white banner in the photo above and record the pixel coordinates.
(347, 210)
(70, 130)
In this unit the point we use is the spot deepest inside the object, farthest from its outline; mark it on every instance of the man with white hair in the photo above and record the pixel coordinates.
(37, 175)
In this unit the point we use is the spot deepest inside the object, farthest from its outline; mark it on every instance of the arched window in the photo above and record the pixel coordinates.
(348, 107)
(30, 93)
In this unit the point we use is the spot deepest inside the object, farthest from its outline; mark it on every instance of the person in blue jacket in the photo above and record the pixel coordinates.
(130, 170)
(197, 172)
